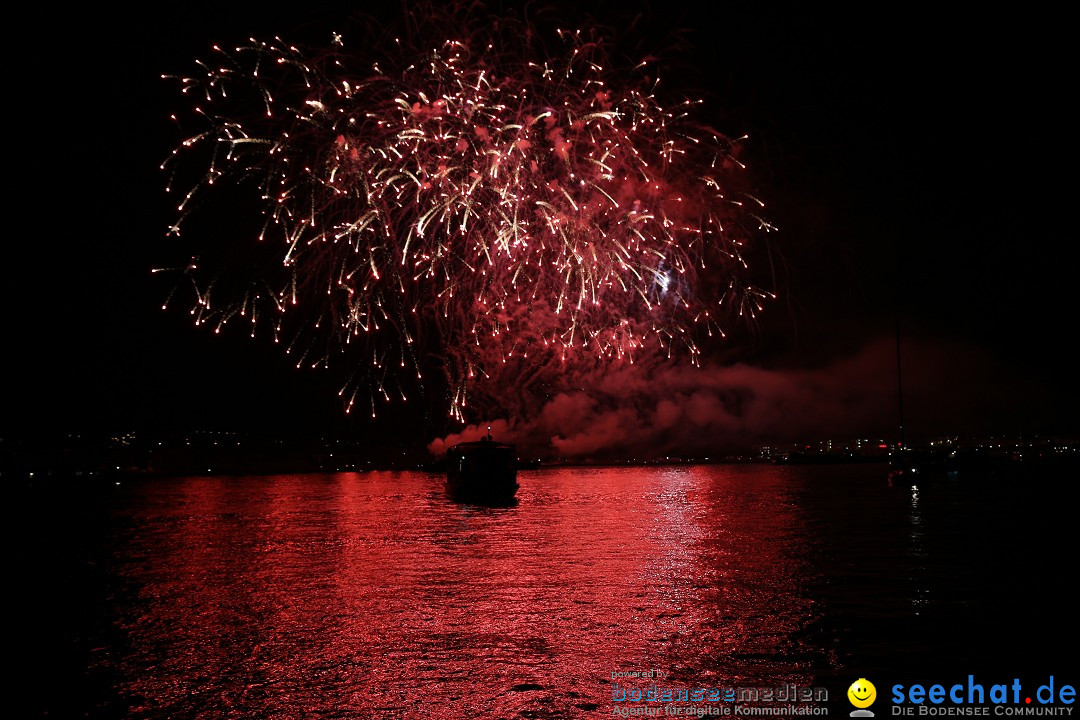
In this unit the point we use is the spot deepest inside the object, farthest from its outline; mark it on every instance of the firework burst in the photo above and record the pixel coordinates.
(486, 205)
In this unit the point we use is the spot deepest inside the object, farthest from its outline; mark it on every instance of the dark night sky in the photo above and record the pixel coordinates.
(913, 147)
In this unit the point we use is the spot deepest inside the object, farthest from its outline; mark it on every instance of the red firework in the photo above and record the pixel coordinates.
(489, 206)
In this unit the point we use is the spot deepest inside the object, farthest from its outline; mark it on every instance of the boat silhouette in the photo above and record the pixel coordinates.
(484, 471)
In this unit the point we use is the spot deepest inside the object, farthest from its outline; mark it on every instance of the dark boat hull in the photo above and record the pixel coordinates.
(482, 494)
(482, 472)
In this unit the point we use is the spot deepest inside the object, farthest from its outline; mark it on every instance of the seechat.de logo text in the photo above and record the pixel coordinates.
(973, 698)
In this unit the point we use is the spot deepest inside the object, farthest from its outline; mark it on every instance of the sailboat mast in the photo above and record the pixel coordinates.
(899, 383)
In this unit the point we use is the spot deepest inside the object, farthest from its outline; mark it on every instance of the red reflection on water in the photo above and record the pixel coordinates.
(364, 594)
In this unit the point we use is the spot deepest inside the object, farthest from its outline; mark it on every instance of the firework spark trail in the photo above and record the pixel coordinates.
(491, 207)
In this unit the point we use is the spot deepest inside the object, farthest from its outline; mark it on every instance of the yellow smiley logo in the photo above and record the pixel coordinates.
(862, 693)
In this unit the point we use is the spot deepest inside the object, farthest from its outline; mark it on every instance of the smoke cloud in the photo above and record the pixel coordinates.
(632, 411)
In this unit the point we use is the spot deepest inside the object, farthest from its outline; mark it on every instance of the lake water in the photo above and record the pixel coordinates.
(372, 595)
